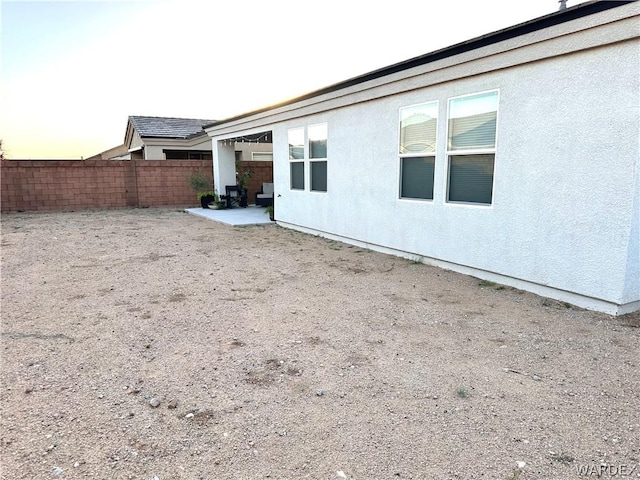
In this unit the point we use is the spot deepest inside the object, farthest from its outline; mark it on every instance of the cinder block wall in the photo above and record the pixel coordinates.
(262, 172)
(49, 185)
(166, 182)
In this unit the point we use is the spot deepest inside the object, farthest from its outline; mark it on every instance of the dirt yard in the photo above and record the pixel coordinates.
(152, 344)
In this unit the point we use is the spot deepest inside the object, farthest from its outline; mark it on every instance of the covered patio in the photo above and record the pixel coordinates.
(235, 155)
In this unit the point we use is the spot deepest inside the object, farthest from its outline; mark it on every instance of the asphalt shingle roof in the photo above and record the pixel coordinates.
(167, 127)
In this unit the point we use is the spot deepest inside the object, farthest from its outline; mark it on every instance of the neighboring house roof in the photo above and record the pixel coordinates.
(168, 127)
(184, 130)
(540, 23)
(111, 153)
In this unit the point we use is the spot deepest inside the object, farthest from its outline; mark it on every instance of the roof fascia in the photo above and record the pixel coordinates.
(128, 134)
(540, 23)
(177, 141)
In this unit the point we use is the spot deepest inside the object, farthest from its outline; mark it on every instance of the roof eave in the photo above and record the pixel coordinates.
(539, 23)
(172, 137)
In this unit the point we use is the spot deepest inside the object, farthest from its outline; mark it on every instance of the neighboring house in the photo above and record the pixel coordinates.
(166, 138)
(112, 153)
(513, 157)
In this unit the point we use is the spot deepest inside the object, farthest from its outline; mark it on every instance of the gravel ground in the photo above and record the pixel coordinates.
(152, 344)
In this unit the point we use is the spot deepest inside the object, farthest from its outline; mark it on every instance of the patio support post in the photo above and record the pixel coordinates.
(224, 166)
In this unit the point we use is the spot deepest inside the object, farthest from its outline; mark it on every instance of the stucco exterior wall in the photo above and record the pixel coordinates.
(247, 148)
(565, 178)
(564, 218)
(136, 141)
(154, 148)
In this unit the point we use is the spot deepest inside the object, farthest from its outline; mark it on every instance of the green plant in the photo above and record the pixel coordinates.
(462, 392)
(562, 458)
(208, 192)
(486, 283)
(271, 211)
(515, 475)
(198, 181)
(243, 179)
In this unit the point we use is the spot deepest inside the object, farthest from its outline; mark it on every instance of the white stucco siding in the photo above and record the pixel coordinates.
(154, 147)
(136, 141)
(563, 182)
(247, 149)
(564, 172)
(153, 152)
(631, 291)
(564, 218)
(224, 170)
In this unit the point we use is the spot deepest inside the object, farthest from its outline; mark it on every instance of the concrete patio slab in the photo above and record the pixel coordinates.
(236, 217)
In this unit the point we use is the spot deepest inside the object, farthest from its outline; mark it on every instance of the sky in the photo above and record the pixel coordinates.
(72, 72)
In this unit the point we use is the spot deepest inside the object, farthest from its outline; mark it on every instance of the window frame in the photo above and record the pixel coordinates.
(304, 183)
(432, 154)
(318, 160)
(401, 167)
(326, 175)
(254, 159)
(308, 163)
(186, 154)
(304, 152)
(468, 152)
(293, 160)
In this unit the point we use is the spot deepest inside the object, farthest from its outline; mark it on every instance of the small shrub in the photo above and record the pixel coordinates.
(562, 458)
(210, 193)
(198, 181)
(463, 392)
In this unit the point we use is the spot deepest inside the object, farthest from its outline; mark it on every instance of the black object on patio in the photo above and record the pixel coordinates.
(235, 196)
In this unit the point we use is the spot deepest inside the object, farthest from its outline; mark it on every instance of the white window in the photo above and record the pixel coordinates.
(318, 141)
(296, 158)
(471, 147)
(417, 149)
(318, 156)
(297, 175)
(296, 144)
(262, 156)
(313, 157)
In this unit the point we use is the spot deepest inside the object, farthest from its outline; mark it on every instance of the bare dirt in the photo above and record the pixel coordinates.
(275, 354)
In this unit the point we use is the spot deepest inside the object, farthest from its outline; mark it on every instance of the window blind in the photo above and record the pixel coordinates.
(472, 122)
(319, 176)
(418, 126)
(297, 175)
(471, 178)
(417, 177)
(318, 148)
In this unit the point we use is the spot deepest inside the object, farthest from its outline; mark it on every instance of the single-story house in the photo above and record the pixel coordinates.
(166, 138)
(513, 157)
(171, 138)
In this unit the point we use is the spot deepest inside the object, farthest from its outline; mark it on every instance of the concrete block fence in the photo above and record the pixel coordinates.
(262, 172)
(50, 185)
